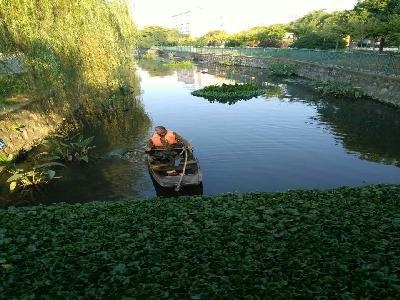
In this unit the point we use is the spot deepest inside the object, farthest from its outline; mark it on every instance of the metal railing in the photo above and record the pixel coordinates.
(381, 63)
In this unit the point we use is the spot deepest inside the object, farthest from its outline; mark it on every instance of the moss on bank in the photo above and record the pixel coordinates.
(299, 244)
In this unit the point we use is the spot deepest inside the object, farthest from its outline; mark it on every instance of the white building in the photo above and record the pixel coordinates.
(197, 21)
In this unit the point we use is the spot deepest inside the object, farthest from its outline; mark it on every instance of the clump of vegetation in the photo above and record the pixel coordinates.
(6, 161)
(229, 93)
(322, 41)
(171, 55)
(281, 70)
(11, 85)
(149, 55)
(31, 178)
(307, 244)
(151, 36)
(335, 89)
(71, 149)
(183, 64)
(28, 180)
(84, 46)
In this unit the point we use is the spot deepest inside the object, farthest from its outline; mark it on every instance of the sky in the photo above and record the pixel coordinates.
(198, 17)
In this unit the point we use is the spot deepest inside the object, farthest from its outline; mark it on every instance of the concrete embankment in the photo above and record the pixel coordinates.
(26, 127)
(380, 87)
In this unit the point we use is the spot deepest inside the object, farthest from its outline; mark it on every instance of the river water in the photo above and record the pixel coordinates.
(287, 139)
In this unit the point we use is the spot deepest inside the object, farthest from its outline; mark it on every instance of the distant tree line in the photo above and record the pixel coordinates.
(375, 20)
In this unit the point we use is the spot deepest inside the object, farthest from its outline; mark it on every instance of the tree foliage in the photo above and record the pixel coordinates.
(380, 20)
(161, 36)
(373, 19)
(82, 41)
(213, 38)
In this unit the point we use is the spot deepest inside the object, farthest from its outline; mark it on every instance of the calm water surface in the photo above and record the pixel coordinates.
(287, 139)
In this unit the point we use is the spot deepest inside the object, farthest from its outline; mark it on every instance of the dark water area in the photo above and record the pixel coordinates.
(287, 139)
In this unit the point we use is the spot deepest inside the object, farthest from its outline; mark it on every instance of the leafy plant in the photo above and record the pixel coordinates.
(318, 40)
(150, 55)
(171, 55)
(71, 149)
(12, 84)
(6, 161)
(281, 70)
(335, 89)
(229, 93)
(31, 179)
(180, 64)
(305, 244)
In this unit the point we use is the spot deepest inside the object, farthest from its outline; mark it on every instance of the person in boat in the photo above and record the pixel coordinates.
(167, 140)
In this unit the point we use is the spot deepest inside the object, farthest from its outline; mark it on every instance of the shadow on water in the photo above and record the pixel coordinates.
(184, 191)
(117, 120)
(110, 174)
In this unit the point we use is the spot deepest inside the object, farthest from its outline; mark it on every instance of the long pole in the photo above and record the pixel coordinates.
(178, 186)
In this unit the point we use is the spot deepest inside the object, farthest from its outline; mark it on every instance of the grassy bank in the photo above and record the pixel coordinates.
(329, 244)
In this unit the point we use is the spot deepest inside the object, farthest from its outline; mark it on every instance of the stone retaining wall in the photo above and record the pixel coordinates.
(26, 127)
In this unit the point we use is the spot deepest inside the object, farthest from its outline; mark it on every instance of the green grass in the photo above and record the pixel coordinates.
(342, 243)
(229, 93)
(11, 85)
(3, 102)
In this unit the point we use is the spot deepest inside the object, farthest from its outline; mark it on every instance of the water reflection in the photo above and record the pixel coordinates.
(288, 138)
(365, 127)
(156, 67)
(117, 120)
(369, 129)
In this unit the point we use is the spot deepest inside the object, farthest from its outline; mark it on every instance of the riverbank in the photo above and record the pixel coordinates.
(376, 85)
(306, 244)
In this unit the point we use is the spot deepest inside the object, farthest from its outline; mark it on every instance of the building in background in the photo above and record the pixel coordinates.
(197, 21)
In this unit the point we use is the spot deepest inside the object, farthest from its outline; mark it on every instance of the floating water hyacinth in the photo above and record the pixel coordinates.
(229, 93)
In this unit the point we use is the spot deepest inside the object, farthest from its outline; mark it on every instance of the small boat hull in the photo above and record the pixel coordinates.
(168, 175)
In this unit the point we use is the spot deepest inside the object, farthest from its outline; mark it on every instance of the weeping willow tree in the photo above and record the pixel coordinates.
(78, 59)
(69, 44)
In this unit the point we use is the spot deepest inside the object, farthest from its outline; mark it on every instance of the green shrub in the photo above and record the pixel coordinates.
(149, 55)
(229, 93)
(28, 180)
(281, 70)
(315, 40)
(6, 161)
(335, 89)
(336, 244)
(70, 149)
(183, 64)
(12, 84)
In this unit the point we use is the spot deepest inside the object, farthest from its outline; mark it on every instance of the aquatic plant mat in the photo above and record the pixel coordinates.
(342, 243)
(229, 93)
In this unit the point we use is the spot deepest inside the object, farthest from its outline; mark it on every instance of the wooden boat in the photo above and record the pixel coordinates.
(181, 169)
